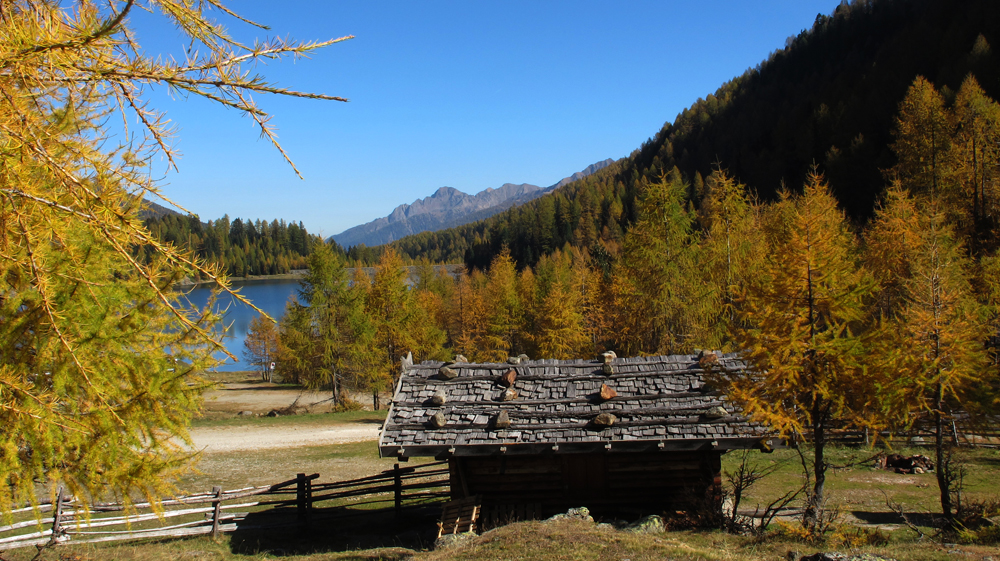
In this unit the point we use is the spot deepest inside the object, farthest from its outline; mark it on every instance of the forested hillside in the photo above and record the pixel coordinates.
(242, 247)
(827, 98)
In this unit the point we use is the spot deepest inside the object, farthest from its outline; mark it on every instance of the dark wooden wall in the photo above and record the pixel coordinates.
(624, 484)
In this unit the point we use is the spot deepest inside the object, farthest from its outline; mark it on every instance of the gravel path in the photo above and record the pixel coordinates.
(235, 439)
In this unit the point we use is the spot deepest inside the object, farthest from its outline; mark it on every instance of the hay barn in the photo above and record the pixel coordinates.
(621, 436)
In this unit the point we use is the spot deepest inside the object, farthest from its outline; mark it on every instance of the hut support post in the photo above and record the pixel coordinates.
(397, 488)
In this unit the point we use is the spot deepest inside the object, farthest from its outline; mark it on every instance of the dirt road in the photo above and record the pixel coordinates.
(249, 438)
(259, 398)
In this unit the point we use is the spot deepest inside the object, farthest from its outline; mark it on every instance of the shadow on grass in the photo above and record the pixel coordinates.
(279, 532)
(922, 519)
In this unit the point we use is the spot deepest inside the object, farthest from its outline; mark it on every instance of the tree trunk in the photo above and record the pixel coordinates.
(940, 466)
(376, 402)
(814, 511)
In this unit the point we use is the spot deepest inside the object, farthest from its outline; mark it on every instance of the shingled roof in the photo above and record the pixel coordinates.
(656, 403)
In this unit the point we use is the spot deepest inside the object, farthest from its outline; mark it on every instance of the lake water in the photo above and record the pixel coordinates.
(268, 295)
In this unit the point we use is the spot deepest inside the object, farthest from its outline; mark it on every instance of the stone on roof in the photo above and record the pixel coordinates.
(553, 406)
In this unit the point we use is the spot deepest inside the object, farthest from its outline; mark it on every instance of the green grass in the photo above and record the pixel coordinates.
(854, 485)
(310, 419)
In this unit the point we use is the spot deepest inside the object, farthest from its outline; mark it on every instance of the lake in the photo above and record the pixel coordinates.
(268, 295)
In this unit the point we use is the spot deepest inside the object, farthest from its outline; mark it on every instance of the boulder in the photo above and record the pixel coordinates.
(582, 513)
(607, 368)
(708, 359)
(452, 541)
(647, 525)
(446, 373)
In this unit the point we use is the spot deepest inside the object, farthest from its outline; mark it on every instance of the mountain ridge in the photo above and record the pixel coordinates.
(448, 207)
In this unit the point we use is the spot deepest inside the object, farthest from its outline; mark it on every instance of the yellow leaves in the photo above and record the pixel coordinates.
(98, 353)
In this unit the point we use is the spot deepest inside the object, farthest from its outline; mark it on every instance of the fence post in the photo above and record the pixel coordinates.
(57, 516)
(217, 512)
(300, 496)
(397, 487)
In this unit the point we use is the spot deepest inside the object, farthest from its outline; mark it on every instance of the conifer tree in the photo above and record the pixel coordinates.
(731, 254)
(657, 302)
(396, 325)
(261, 345)
(329, 316)
(977, 149)
(799, 326)
(923, 145)
(99, 356)
(933, 353)
(503, 331)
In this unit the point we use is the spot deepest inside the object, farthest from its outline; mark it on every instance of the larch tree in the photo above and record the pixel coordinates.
(98, 354)
(657, 301)
(977, 154)
(261, 346)
(731, 253)
(396, 326)
(558, 328)
(924, 131)
(798, 326)
(503, 331)
(324, 326)
(933, 351)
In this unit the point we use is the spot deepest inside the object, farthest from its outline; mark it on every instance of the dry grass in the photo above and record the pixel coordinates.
(529, 541)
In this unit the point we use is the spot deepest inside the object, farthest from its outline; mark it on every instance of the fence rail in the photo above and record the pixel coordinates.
(212, 513)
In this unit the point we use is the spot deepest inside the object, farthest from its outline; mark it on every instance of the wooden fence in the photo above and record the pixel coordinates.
(961, 432)
(287, 503)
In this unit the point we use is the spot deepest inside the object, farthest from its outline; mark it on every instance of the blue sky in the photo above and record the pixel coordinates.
(465, 94)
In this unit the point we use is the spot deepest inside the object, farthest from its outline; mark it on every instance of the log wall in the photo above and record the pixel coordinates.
(626, 485)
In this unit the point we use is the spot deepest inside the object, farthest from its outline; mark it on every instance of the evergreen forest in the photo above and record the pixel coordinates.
(239, 247)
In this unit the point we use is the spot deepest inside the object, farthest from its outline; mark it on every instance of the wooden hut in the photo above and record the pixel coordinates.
(621, 436)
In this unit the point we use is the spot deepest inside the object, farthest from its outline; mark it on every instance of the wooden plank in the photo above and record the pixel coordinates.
(459, 516)
(26, 536)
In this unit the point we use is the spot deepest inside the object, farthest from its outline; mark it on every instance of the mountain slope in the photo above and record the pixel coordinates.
(446, 208)
(827, 99)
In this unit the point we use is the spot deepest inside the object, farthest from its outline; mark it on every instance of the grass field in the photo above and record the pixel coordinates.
(855, 489)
